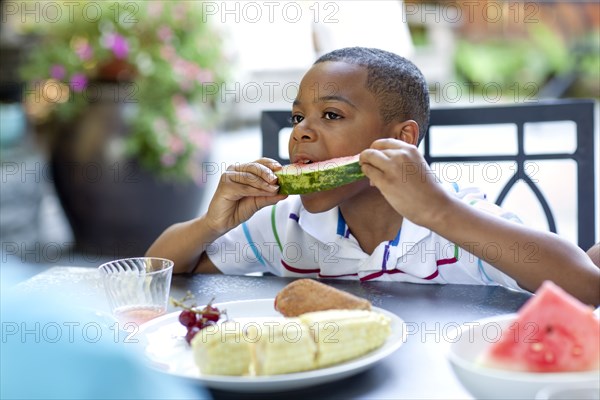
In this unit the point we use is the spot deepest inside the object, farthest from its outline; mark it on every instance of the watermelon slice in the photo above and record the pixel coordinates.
(318, 176)
(553, 332)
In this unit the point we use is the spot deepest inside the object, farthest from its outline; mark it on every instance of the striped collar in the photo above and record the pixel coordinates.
(344, 231)
(329, 227)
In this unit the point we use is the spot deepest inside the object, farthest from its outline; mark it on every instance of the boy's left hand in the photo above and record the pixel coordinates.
(400, 172)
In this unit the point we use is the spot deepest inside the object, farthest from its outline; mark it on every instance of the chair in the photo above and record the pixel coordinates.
(519, 116)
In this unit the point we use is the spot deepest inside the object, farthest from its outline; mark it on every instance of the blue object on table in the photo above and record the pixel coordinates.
(51, 350)
(12, 124)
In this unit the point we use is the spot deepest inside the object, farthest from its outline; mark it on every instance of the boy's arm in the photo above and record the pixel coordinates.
(594, 253)
(529, 256)
(184, 243)
(243, 189)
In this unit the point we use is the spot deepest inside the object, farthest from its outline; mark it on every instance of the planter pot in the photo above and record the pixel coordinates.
(115, 208)
(119, 216)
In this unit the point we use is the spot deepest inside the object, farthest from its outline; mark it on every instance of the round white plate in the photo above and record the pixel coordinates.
(165, 349)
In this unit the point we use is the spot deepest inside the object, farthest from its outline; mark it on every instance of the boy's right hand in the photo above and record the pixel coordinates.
(243, 190)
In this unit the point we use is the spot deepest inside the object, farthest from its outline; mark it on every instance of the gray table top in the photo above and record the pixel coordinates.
(418, 369)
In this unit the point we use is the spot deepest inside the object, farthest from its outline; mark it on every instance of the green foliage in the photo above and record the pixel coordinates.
(167, 62)
(518, 61)
(590, 58)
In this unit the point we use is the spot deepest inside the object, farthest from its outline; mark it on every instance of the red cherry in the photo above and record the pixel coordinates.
(209, 323)
(195, 319)
(191, 333)
(187, 318)
(200, 323)
(211, 313)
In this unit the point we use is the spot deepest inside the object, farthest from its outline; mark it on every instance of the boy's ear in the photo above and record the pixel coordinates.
(407, 131)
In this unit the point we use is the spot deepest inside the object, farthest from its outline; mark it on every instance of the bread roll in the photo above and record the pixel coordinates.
(307, 295)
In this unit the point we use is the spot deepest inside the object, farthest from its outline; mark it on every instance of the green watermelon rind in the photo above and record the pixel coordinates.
(294, 181)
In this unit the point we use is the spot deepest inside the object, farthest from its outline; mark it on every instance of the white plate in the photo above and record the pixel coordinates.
(166, 350)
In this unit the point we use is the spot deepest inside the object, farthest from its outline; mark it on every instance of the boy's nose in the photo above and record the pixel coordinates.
(303, 133)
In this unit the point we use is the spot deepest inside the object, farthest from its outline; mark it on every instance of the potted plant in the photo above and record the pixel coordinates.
(125, 95)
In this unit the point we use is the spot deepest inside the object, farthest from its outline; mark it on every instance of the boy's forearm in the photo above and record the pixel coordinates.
(527, 255)
(183, 243)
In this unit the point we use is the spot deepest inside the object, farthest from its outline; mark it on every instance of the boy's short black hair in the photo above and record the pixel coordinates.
(397, 83)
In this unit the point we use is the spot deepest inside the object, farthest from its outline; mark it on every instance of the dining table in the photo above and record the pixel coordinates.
(418, 369)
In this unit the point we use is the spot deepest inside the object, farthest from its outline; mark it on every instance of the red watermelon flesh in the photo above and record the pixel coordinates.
(553, 332)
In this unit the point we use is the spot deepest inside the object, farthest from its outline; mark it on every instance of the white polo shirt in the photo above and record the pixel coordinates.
(287, 240)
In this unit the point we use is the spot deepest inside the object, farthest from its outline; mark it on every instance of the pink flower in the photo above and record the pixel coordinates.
(160, 125)
(201, 139)
(183, 111)
(176, 145)
(204, 76)
(179, 101)
(83, 50)
(118, 44)
(167, 160)
(180, 11)
(168, 52)
(165, 33)
(184, 83)
(188, 72)
(155, 8)
(79, 82)
(58, 72)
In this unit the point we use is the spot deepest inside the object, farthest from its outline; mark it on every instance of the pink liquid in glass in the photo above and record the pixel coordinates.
(138, 314)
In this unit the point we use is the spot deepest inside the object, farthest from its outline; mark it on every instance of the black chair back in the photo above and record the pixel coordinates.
(580, 112)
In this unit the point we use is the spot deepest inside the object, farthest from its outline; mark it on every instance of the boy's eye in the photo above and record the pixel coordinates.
(331, 115)
(296, 119)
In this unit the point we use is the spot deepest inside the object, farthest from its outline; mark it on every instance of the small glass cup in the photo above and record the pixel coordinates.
(137, 288)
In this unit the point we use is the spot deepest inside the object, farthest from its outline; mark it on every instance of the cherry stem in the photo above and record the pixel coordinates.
(194, 308)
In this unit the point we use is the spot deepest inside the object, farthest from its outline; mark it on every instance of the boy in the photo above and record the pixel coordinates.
(397, 224)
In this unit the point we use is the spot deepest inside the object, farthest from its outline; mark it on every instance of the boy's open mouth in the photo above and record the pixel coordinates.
(302, 159)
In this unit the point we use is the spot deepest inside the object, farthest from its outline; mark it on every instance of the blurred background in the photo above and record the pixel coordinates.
(117, 118)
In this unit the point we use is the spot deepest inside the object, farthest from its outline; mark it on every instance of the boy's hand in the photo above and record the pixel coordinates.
(400, 172)
(243, 190)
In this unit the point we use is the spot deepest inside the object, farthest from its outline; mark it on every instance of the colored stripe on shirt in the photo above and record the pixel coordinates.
(298, 270)
(341, 225)
(452, 260)
(252, 245)
(386, 251)
(274, 227)
(377, 274)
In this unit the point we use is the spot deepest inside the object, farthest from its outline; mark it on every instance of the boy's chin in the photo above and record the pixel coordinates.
(317, 202)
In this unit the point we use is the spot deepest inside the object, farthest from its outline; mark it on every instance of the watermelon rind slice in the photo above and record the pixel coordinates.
(319, 176)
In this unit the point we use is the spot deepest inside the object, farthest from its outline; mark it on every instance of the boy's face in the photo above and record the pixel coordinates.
(334, 115)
